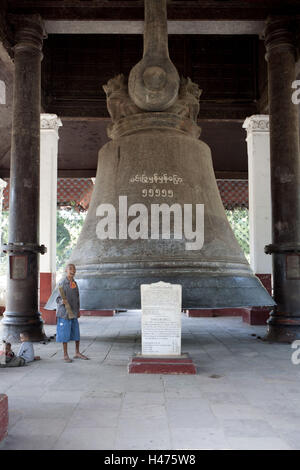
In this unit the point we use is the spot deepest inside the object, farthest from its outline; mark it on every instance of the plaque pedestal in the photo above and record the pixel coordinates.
(97, 313)
(161, 332)
(3, 416)
(182, 364)
(256, 315)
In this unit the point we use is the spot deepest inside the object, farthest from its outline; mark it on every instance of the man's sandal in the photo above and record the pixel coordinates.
(81, 357)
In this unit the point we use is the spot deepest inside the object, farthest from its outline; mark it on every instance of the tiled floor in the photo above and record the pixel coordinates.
(245, 395)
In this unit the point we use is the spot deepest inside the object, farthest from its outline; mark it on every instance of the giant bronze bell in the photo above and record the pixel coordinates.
(155, 157)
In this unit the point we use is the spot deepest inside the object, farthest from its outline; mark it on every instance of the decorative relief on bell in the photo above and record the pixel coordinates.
(120, 105)
(187, 104)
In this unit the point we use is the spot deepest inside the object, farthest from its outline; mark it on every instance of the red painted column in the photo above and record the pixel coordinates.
(259, 182)
(50, 125)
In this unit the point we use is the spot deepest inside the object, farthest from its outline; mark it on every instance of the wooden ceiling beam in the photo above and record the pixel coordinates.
(134, 10)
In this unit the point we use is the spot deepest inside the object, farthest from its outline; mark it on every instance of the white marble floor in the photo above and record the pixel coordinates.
(245, 395)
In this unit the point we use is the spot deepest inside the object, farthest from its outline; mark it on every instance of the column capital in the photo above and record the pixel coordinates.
(256, 123)
(50, 122)
(29, 32)
(281, 32)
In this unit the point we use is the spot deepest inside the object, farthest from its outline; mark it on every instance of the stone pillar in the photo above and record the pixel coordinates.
(23, 244)
(258, 146)
(280, 40)
(50, 124)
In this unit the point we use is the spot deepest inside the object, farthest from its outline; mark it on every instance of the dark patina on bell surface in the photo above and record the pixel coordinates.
(155, 158)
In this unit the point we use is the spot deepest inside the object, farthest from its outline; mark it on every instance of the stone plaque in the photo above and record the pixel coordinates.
(18, 266)
(293, 266)
(161, 319)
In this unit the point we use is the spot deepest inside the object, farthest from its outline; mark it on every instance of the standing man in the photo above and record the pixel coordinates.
(67, 311)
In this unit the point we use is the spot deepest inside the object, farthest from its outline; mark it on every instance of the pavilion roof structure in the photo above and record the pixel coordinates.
(217, 43)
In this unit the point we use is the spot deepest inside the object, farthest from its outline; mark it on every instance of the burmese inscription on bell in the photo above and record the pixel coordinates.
(161, 319)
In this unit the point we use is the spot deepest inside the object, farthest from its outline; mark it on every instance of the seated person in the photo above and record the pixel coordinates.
(8, 357)
(26, 350)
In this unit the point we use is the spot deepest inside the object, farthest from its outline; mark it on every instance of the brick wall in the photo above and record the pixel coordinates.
(3, 415)
(234, 193)
(69, 190)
